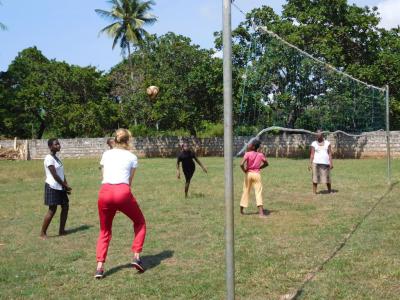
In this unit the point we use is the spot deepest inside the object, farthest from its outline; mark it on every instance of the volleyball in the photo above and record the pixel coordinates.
(152, 91)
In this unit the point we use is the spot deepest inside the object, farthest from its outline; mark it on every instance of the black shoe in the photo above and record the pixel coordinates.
(99, 274)
(138, 265)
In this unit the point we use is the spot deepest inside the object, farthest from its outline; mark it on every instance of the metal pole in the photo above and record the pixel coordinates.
(389, 164)
(228, 151)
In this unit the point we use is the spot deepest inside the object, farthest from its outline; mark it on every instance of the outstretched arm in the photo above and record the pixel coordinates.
(200, 164)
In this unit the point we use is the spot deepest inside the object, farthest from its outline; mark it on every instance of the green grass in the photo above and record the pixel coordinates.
(184, 248)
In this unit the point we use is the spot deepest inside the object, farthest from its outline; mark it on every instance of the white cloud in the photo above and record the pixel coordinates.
(389, 11)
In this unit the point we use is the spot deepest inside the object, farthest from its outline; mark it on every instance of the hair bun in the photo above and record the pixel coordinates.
(122, 137)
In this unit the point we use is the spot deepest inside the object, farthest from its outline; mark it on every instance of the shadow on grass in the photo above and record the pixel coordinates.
(267, 212)
(198, 195)
(77, 229)
(149, 261)
(325, 192)
(70, 231)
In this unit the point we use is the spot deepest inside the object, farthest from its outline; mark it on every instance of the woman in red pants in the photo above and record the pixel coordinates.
(119, 166)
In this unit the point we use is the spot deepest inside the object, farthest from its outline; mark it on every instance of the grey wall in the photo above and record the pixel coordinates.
(281, 145)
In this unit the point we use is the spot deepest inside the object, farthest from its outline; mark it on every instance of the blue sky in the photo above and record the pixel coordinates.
(68, 30)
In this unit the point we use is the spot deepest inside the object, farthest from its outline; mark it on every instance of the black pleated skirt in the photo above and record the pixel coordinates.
(54, 197)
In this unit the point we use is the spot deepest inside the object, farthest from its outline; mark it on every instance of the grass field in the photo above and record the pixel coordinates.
(184, 249)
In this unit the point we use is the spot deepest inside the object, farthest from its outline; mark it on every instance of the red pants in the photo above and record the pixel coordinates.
(113, 197)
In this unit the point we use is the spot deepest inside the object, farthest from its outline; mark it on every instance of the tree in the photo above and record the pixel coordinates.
(128, 18)
(190, 81)
(343, 35)
(386, 70)
(41, 96)
(2, 26)
(22, 94)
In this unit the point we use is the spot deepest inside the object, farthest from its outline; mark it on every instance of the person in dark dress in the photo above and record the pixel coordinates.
(187, 157)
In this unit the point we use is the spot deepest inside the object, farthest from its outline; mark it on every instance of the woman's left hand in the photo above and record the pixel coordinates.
(205, 169)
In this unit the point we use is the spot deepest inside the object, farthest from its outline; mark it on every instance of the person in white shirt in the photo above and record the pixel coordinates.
(119, 165)
(321, 162)
(56, 188)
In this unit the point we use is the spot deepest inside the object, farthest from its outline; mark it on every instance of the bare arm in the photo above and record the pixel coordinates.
(330, 157)
(242, 165)
(57, 178)
(200, 164)
(264, 164)
(133, 170)
(312, 151)
(178, 173)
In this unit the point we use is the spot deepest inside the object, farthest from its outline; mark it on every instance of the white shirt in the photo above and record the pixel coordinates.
(49, 160)
(117, 165)
(321, 155)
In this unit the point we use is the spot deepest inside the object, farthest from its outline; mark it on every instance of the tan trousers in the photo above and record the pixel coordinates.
(251, 179)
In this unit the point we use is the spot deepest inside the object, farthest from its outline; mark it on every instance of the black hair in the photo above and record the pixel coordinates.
(256, 144)
(51, 141)
(185, 142)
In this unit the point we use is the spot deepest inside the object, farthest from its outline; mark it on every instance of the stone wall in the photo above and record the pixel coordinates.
(371, 145)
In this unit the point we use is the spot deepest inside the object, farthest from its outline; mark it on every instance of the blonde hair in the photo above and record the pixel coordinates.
(122, 138)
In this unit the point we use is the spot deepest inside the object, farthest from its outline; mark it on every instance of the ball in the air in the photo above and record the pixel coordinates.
(152, 91)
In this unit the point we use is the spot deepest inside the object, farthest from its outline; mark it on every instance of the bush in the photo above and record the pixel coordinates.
(245, 130)
(144, 131)
(209, 129)
(141, 130)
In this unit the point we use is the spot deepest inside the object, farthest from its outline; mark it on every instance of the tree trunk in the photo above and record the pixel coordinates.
(130, 64)
(42, 127)
(192, 131)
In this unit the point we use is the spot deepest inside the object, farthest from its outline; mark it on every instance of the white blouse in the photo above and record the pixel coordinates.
(321, 155)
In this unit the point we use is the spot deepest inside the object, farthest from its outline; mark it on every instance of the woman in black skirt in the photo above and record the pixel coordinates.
(187, 157)
(56, 189)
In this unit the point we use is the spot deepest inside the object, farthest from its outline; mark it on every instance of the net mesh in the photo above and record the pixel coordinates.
(282, 85)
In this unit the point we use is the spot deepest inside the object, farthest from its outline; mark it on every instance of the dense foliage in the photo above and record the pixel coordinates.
(285, 88)
(40, 97)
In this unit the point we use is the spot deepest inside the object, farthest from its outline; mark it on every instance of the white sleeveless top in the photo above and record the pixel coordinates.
(321, 155)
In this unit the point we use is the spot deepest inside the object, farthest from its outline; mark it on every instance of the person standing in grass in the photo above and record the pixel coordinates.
(111, 143)
(56, 188)
(119, 166)
(251, 164)
(321, 162)
(187, 157)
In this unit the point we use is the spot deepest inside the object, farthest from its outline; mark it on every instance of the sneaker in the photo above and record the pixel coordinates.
(138, 265)
(99, 274)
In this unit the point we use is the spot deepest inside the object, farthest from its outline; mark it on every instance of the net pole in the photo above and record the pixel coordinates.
(228, 151)
(389, 167)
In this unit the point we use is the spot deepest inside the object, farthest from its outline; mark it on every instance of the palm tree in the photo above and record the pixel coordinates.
(128, 17)
(2, 26)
